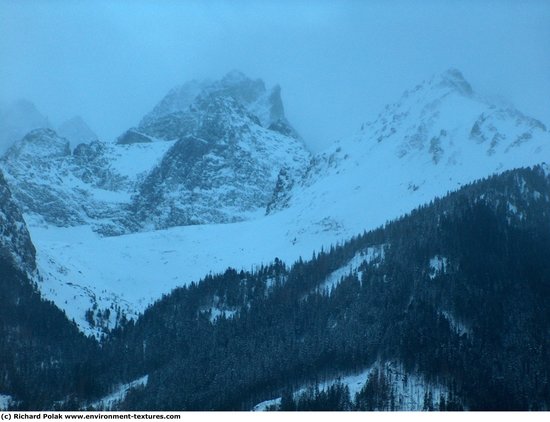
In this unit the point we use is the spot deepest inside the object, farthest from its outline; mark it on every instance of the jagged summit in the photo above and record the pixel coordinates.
(453, 78)
(448, 82)
(176, 114)
(440, 117)
(176, 100)
(217, 163)
(224, 166)
(238, 85)
(231, 140)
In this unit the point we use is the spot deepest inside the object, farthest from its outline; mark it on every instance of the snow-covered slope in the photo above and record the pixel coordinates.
(409, 390)
(108, 403)
(436, 138)
(92, 186)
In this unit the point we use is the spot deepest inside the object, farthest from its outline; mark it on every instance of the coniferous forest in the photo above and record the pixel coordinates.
(459, 296)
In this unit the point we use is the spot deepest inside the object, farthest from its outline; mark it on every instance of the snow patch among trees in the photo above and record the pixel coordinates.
(373, 254)
(118, 395)
(438, 266)
(5, 401)
(383, 386)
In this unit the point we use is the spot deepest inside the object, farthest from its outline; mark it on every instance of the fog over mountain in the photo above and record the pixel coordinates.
(274, 205)
(338, 62)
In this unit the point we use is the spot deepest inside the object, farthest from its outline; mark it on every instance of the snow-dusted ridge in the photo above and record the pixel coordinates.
(92, 185)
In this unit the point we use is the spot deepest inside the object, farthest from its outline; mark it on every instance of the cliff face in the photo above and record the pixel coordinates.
(15, 241)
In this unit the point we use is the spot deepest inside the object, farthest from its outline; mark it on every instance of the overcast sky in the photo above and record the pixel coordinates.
(338, 62)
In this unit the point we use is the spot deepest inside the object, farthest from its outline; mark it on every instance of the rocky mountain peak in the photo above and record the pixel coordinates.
(453, 78)
(442, 118)
(450, 82)
(176, 115)
(40, 143)
(222, 169)
(277, 110)
(437, 134)
(178, 99)
(240, 87)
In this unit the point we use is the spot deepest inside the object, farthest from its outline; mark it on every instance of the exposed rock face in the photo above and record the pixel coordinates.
(133, 137)
(35, 167)
(232, 139)
(207, 153)
(223, 170)
(177, 113)
(56, 187)
(15, 241)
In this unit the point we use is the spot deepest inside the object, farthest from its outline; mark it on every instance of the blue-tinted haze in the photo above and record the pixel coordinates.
(338, 62)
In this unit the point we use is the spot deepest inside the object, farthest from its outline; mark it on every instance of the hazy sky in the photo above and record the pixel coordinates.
(338, 62)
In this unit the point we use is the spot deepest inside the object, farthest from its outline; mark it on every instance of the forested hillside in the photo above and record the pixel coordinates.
(43, 356)
(457, 293)
(452, 298)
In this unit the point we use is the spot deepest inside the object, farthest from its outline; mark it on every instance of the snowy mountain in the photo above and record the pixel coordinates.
(438, 137)
(232, 141)
(184, 224)
(203, 158)
(222, 170)
(17, 119)
(92, 186)
(213, 162)
(216, 164)
(169, 119)
(76, 131)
